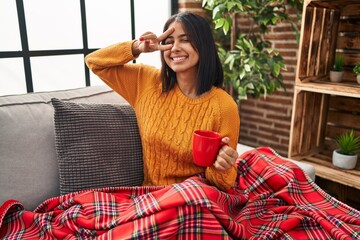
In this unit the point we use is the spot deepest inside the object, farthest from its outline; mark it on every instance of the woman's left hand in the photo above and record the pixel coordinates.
(226, 157)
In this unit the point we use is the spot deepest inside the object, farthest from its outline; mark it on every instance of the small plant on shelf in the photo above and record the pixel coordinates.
(337, 71)
(356, 70)
(345, 155)
(348, 143)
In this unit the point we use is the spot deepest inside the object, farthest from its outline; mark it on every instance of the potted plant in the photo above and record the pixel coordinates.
(356, 70)
(345, 156)
(252, 67)
(337, 71)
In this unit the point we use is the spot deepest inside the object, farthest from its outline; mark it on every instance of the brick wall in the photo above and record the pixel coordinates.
(191, 5)
(266, 122)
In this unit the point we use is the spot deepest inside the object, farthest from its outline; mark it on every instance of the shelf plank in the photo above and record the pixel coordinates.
(334, 4)
(341, 89)
(325, 169)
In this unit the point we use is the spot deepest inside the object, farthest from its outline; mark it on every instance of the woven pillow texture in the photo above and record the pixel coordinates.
(97, 145)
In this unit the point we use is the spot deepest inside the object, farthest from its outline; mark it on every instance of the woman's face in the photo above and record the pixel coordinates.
(182, 57)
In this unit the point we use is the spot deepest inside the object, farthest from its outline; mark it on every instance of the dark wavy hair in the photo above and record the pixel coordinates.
(210, 72)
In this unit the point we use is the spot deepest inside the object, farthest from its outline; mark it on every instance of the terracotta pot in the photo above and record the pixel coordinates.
(344, 161)
(336, 76)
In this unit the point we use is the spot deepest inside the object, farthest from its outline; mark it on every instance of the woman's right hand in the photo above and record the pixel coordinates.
(149, 42)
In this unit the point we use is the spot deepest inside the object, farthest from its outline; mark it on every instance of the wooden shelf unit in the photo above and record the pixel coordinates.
(322, 109)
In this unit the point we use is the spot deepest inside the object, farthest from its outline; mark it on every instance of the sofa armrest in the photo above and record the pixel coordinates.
(307, 168)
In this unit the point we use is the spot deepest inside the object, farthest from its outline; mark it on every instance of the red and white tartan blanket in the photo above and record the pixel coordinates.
(272, 199)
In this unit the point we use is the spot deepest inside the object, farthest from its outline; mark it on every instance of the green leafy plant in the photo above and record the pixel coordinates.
(356, 69)
(348, 143)
(251, 66)
(339, 63)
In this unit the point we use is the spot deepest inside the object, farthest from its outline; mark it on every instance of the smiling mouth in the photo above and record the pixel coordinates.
(178, 59)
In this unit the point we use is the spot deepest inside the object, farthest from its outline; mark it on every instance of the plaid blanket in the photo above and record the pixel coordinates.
(272, 199)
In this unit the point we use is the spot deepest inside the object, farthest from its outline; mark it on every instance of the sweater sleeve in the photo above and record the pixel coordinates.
(111, 64)
(230, 127)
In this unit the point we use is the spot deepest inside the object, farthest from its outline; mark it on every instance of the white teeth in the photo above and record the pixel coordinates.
(179, 58)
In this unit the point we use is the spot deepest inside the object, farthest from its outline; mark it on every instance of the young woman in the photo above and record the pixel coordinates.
(272, 198)
(171, 102)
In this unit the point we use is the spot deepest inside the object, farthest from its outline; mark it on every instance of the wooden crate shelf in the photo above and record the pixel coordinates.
(322, 109)
(330, 27)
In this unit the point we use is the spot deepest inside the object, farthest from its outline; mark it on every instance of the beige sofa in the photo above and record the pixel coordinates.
(29, 163)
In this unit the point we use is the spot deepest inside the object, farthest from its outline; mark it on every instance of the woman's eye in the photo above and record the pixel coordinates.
(168, 42)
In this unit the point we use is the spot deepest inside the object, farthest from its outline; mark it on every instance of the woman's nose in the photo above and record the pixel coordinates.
(175, 47)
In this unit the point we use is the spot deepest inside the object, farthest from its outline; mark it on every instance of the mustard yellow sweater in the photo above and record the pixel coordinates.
(167, 120)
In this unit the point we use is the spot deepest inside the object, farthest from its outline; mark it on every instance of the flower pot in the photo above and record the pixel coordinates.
(344, 161)
(336, 76)
(358, 78)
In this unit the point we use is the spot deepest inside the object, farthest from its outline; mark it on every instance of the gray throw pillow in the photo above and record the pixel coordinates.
(97, 145)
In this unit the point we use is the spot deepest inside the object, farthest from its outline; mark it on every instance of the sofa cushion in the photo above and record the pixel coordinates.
(98, 145)
(28, 163)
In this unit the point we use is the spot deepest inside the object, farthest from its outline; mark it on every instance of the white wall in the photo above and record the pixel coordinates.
(56, 25)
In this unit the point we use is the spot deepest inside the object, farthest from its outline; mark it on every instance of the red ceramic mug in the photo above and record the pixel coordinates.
(205, 147)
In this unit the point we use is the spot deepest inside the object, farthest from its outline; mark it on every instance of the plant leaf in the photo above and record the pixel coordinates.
(226, 27)
(219, 23)
(242, 74)
(277, 69)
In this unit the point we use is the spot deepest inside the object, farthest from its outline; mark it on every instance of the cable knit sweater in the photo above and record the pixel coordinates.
(167, 120)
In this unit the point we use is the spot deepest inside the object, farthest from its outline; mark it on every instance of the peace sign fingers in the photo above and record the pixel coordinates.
(163, 36)
(149, 42)
(166, 34)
